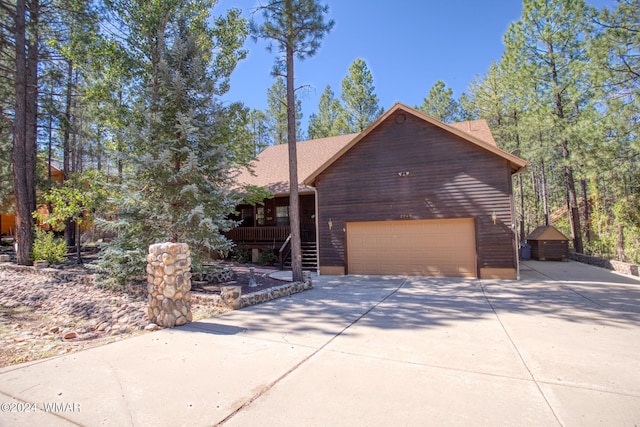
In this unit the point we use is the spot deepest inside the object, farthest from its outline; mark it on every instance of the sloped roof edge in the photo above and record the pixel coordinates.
(546, 232)
(516, 163)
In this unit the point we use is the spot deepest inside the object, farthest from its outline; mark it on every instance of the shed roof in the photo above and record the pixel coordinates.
(546, 232)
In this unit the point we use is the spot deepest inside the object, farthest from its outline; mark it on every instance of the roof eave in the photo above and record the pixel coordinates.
(517, 164)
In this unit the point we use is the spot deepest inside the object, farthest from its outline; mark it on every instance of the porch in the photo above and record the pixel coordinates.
(259, 237)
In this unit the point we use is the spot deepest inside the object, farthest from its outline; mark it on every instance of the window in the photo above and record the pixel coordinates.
(247, 217)
(260, 215)
(282, 215)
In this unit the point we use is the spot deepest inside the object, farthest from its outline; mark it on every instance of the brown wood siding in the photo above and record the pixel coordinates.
(554, 250)
(410, 169)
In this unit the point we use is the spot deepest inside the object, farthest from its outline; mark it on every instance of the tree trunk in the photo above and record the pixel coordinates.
(620, 247)
(66, 136)
(570, 184)
(67, 164)
(24, 131)
(545, 199)
(586, 211)
(294, 205)
(574, 212)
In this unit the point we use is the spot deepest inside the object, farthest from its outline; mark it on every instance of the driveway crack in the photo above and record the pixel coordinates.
(268, 387)
(522, 359)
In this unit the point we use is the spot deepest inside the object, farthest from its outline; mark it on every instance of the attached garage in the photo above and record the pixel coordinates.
(443, 247)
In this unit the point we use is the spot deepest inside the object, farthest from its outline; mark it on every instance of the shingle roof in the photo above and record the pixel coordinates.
(546, 232)
(478, 128)
(271, 167)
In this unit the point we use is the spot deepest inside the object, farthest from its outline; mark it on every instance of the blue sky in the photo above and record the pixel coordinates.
(408, 46)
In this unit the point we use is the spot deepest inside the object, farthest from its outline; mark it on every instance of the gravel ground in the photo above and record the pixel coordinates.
(43, 316)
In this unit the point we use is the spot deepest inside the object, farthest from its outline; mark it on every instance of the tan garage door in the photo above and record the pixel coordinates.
(416, 248)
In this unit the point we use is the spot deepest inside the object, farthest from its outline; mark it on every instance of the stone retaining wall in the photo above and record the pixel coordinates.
(214, 277)
(212, 300)
(53, 273)
(620, 267)
(254, 298)
(273, 293)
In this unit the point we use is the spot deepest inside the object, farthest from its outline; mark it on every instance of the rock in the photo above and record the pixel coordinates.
(70, 335)
(169, 320)
(151, 327)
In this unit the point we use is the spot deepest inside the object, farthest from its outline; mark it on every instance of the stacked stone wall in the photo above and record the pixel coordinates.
(620, 267)
(169, 284)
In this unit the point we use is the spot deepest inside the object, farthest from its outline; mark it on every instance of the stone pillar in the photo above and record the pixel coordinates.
(169, 284)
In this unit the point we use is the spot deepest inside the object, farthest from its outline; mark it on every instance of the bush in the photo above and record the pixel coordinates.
(241, 255)
(49, 248)
(119, 264)
(267, 257)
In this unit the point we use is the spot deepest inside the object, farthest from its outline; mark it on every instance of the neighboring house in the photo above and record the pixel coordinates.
(8, 220)
(409, 195)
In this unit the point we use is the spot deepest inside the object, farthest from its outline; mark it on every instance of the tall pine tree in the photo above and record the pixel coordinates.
(330, 120)
(277, 112)
(440, 103)
(549, 41)
(179, 188)
(360, 103)
(296, 28)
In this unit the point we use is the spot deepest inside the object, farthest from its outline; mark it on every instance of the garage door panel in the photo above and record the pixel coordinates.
(420, 247)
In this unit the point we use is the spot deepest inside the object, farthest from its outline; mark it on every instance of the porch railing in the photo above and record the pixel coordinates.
(259, 234)
(284, 252)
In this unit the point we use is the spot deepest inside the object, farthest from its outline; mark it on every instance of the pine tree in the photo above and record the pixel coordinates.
(258, 128)
(330, 120)
(296, 27)
(277, 112)
(548, 42)
(440, 103)
(360, 103)
(6, 110)
(24, 18)
(179, 188)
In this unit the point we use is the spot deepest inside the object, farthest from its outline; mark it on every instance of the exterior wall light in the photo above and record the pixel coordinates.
(330, 224)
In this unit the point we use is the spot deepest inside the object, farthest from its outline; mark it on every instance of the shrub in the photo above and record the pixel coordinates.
(119, 264)
(49, 248)
(267, 257)
(241, 255)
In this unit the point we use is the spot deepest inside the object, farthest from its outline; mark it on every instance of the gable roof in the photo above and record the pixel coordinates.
(472, 132)
(271, 166)
(546, 232)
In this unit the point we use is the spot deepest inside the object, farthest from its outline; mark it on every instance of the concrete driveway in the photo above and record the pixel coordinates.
(560, 347)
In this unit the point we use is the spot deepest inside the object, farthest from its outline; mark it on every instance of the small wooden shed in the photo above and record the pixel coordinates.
(547, 243)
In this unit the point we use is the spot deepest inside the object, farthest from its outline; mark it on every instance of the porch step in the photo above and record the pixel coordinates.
(309, 257)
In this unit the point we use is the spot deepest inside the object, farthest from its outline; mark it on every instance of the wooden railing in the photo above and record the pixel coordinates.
(259, 234)
(284, 251)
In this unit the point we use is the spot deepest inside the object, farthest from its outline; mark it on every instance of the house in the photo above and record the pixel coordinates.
(409, 195)
(8, 219)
